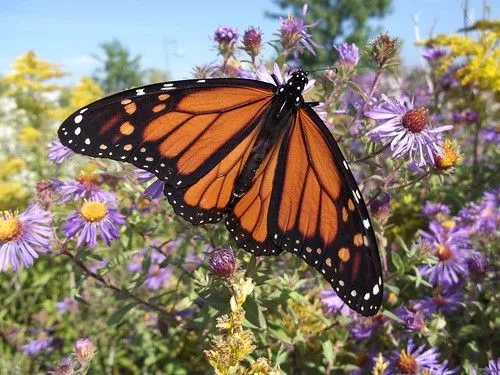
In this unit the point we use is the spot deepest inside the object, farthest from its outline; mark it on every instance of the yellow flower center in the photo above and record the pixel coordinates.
(415, 120)
(407, 364)
(93, 211)
(10, 229)
(450, 156)
(444, 252)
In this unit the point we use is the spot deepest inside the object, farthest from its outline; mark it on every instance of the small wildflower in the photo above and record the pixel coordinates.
(67, 304)
(205, 71)
(64, 367)
(384, 49)
(333, 303)
(226, 38)
(85, 186)
(435, 53)
(451, 247)
(155, 189)
(58, 152)
(412, 359)
(45, 192)
(158, 277)
(11, 165)
(491, 134)
(223, 262)
(92, 218)
(380, 365)
(440, 369)
(29, 135)
(413, 322)
(348, 54)
(493, 367)
(252, 41)
(449, 156)
(381, 207)
(294, 35)
(41, 345)
(443, 301)
(84, 350)
(477, 266)
(408, 129)
(434, 209)
(364, 328)
(261, 366)
(23, 237)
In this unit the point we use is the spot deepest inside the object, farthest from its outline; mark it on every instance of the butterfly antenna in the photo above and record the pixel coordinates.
(323, 69)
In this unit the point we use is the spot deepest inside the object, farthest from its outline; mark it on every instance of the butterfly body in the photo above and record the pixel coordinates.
(254, 153)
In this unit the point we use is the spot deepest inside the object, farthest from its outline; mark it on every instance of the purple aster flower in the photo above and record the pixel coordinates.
(333, 303)
(364, 360)
(94, 217)
(158, 277)
(136, 264)
(67, 304)
(441, 369)
(41, 345)
(433, 54)
(58, 152)
(96, 265)
(252, 41)
(294, 35)
(477, 266)
(24, 236)
(434, 209)
(451, 247)
(154, 190)
(482, 218)
(223, 262)
(348, 54)
(409, 130)
(412, 360)
(445, 301)
(226, 39)
(364, 327)
(413, 322)
(85, 186)
(491, 134)
(493, 367)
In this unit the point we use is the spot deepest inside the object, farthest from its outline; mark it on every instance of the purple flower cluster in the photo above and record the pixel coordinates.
(155, 189)
(482, 218)
(38, 346)
(157, 276)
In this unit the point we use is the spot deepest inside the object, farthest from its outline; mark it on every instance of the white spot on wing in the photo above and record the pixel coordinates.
(78, 119)
(78, 130)
(140, 92)
(376, 289)
(366, 223)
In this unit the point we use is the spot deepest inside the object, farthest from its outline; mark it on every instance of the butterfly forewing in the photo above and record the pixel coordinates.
(179, 131)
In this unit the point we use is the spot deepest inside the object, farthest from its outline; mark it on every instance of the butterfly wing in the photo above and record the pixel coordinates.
(195, 135)
(304, 199)
(321, 216)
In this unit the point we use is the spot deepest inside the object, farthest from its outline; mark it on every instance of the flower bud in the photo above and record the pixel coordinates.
(348, 54)
(45, 192)
(226, 38)
(384, 49)
(252, 41)
(223, 262)
(84, 350)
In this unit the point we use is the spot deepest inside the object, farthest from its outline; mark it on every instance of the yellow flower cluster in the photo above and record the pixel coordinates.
(11, 165)
(233, 343)
(481, 58)
(29, 135)
(12, 195)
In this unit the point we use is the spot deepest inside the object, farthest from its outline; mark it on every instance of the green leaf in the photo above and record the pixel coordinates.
(328, 352)
(392, 316)
(254, 313)
(397, 262)
(470, 331)
(118, 315)
(358, 89)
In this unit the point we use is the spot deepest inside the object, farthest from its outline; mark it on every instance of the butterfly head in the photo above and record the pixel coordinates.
(293, 88)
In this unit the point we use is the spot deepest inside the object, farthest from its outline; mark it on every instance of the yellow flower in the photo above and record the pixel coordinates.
(94, 211)
(11, 166)
(261, 367)
(450, 157)
(482, 58)
(11, 195)
(380, 365)
(29, 135)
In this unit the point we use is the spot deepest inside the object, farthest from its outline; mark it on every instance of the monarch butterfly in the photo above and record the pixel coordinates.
(253, 152)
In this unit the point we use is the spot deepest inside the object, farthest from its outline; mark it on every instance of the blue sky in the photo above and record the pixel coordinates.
(175, 35)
